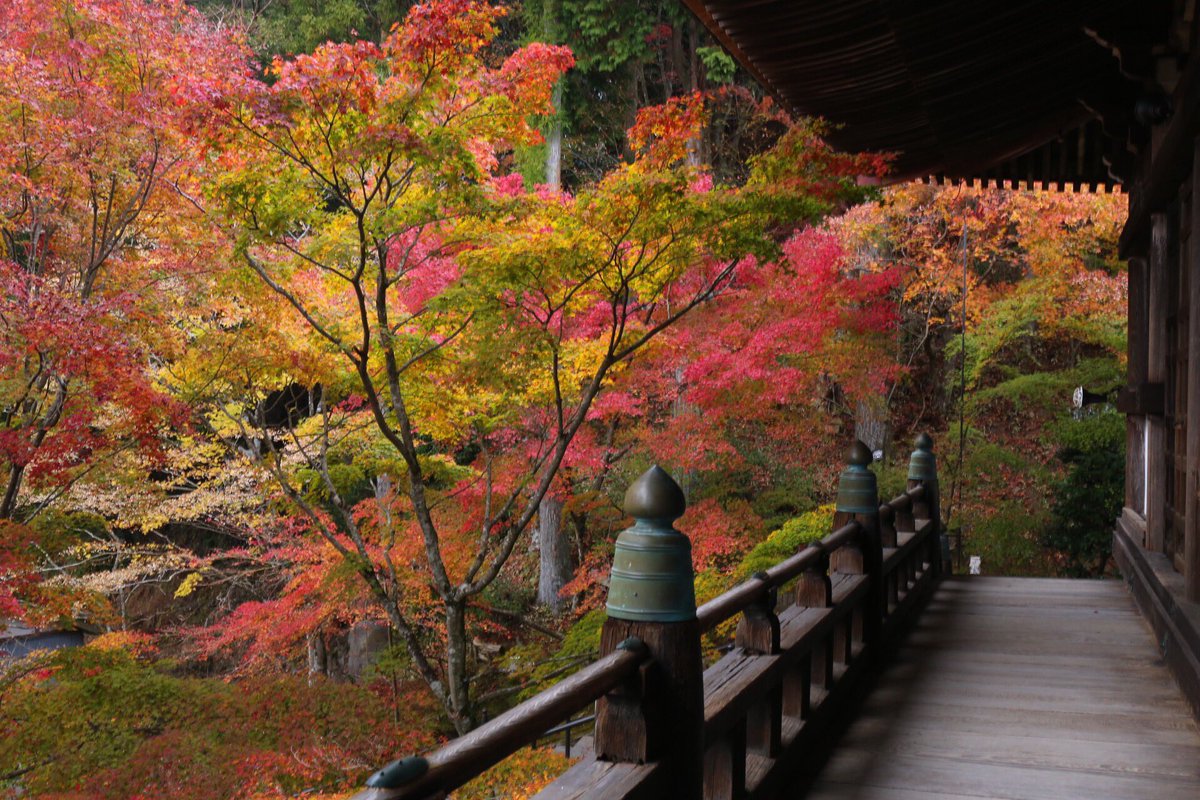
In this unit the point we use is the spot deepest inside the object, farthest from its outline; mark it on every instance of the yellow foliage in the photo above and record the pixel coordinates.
(188, 584)
(518, 777)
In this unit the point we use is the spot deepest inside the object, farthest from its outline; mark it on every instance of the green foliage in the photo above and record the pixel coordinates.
(1005, 508)
(580, 646)
(789, 495)
(1088, 500)
(892, 478)
(1004, 539)
(350, 481)
(94, 714)
(794, 535)
(719, 66)
(1049, 392)
(58, 529)
(108, 726)
(606, 35)
(1102, 431)
(298, 26)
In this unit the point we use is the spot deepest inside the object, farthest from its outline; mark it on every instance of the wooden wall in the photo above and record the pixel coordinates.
(1162, 399)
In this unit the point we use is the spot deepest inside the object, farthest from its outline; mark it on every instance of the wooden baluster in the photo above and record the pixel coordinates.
(813, 590)
(725, 766)
(661, 716)
(888, 538)
(906, 524)
(758, 632)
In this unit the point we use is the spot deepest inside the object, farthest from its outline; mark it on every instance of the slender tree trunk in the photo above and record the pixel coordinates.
(8, 505)
(555, 556)
(554, 134)
(317, 664)
(462, 711)
(554, 141)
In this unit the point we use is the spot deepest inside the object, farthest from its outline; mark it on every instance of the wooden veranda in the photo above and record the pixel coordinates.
(1021, 689)
(860, 648)
(860, 668)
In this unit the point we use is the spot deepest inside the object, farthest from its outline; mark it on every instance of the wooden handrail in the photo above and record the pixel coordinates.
(463, 758)
(665, 726)
(755, 588)
(904, 501)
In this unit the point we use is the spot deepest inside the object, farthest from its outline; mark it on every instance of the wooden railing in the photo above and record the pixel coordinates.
(810, 629)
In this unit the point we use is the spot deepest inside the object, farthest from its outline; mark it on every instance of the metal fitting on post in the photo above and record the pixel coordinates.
(922, 466)
(652, 579)
(857, 489)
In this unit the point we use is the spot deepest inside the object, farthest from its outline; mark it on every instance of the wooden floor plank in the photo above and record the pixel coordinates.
(1022, 689)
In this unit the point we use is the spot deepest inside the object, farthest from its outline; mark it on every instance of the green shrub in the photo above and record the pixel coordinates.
(795, 534)
(1088, 499)
(1005, 539)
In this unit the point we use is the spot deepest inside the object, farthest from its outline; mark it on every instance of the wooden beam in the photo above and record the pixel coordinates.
(1142, 398)
(1170, 162)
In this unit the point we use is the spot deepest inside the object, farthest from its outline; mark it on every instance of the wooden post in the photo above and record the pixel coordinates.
(1191, 541)
(888, 537)
(813, 590)
(651, 598)
(858, 501)
(1157, 299)
(1136, 372)
(758, 632)
(922, 471)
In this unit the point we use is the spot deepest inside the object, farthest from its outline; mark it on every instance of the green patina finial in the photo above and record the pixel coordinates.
(922, 466)
(652, 578)
(857, 491)
(655, 495)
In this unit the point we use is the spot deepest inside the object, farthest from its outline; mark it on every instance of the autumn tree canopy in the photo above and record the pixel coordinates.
(309, 377)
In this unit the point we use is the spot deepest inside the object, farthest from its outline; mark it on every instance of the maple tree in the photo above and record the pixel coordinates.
(469, 325)
(91, 228)
(188, 239)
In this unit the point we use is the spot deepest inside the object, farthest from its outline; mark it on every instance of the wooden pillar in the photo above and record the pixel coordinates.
(1191, 542)
(660, 717)
(1136, 377)
(1155, 437)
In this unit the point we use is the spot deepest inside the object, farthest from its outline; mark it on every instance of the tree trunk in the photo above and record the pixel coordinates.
(316, 655)
(554, 140)
(554, 133)
(555, 555)
(871, 425)
(8, 506)
(462, 712)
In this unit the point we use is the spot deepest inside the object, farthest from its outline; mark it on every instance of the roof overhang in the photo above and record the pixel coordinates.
(959, 88)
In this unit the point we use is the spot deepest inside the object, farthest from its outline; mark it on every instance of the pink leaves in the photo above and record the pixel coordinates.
(424, 271)
(770, 329)
(718, 533)
(335, 78)
(512, 185)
